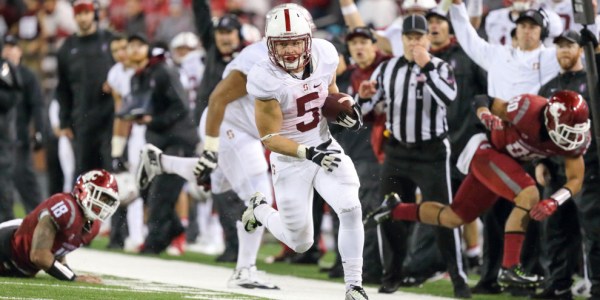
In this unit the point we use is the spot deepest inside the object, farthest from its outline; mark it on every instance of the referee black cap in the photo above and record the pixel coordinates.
(414, 23)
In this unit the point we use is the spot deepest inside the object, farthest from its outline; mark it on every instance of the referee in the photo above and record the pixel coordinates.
(416, 88)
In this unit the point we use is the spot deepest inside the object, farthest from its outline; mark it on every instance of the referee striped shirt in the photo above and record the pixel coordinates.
(415, 98)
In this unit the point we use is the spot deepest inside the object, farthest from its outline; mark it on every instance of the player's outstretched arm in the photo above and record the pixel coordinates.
(228, 90)
(41, 250)
(353, 19)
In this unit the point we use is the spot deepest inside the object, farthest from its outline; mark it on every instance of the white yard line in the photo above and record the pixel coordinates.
(212, 277)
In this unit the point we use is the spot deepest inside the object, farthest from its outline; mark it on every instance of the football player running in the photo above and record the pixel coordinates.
(290, 89)
(229, 133)
(526, 128)
(58, 226)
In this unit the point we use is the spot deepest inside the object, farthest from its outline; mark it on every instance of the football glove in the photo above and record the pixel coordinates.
(543, 209)
(490, 121)
(324, 157)
(206, 164)
(350, 122)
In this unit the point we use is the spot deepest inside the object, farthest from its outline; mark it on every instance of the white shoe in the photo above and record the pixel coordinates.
(149, 166)
(248, 219)
(249, 278)
(356, 293)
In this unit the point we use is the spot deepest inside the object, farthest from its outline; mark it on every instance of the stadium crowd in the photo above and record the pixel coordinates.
(455, 106)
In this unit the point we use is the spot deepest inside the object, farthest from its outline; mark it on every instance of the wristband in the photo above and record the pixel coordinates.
(349, 9)
(117, 144)
(562, 195)
(211, 143)
(301, 151)
(60, 271)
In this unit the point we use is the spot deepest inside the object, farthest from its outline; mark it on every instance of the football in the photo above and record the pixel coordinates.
(336, 104)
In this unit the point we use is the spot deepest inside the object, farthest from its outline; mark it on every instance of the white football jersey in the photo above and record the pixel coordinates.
(119, 79)
(190, 74)
(240, 113)
(300, 99)
(500, 22)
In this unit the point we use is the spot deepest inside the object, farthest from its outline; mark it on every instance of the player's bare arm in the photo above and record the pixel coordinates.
(41, 243)
(353, 19)
(228, 90)
(333, 88)
(268, 121)
(574, 171)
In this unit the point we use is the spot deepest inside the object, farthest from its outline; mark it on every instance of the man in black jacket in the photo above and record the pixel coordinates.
(222, 42)
(86, 106)
(171, 130)
(10, 95)
(32, 107)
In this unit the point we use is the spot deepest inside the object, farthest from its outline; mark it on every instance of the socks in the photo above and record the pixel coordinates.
(248, 245)
(182, 166)
(513, 242)
(406, 212)
(351, 240)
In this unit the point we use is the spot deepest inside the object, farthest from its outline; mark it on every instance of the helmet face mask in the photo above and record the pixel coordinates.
(97, 193)
(567, 120)
(289, 39)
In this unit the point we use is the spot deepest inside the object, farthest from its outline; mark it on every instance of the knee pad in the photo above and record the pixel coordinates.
(351, 217)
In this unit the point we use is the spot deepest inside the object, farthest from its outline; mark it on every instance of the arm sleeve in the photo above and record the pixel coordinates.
(170, 90)
(203, 22)
(476, 48)
(441, 81)
(379, 96)
(32, 94)
(64, 95)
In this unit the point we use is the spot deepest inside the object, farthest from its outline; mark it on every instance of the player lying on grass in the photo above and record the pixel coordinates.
(58, 226)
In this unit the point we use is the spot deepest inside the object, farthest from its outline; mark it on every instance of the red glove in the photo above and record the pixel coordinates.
(543, 209)
(490, 121)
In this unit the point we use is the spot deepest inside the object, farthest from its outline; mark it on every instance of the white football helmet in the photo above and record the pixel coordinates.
(301, 8)
(418, 5)
(287, 25)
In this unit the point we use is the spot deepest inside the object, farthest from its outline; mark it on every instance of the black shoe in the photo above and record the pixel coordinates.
(516, 277)
(486, 288)
(310, 257)
(462, 291)
(383, 212)
(227, 257)
(388, 287)
(552, 292)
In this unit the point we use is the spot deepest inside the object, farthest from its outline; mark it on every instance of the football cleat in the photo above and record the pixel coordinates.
(356, 293)
(249, 278)
(248, 219)
(149, 167)
(552, 292)
(384, 211)
(516, 277)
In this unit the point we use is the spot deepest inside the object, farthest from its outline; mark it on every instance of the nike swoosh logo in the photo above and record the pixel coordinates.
(317, 85)
(560, 292)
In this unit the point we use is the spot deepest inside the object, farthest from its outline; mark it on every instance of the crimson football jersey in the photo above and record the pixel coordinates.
(524, 136)
(71, 230)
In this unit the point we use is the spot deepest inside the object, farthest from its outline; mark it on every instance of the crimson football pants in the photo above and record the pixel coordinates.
(492, 174)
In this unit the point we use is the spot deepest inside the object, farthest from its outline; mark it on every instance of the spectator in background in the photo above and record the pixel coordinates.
(57, 19)
(31, 34)
(31, 108)
(222, 41)
(11, 87)
(562, 231)
(178, 20)
(136, 18)
(86, 106)
(189, 57)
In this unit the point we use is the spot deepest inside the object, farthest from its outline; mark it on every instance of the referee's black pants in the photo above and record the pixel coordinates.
(405, 168)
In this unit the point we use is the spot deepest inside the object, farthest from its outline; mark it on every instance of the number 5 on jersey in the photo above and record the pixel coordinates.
(301, 104)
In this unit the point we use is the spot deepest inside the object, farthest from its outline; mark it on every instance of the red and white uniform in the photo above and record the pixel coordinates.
(495, 169)
(71, 233)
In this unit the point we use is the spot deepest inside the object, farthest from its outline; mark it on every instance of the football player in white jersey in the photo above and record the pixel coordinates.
(228, 128)
(290, 89)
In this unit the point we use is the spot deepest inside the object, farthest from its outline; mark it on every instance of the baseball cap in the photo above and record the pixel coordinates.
(570, 35)
(361, 31)
(138, 36)
(228, 22)
(436, 12)
(533, 15)
(414, 23)
(80, 6)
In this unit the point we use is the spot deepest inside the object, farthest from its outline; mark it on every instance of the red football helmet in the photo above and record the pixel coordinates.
(97, 193)
(567, 119)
